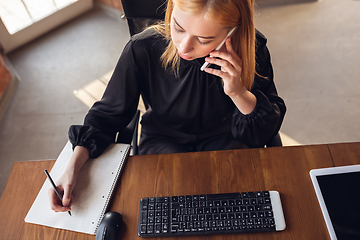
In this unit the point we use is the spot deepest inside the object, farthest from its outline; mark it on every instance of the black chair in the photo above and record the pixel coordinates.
(139, 15)
(142, 13)
(129, 134)
(275, 141)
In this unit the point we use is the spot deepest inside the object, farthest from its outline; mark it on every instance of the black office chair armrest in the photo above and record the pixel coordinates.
(127, 135)
(275, 141)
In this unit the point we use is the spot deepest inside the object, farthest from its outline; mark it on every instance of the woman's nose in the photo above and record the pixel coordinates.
(186, 45)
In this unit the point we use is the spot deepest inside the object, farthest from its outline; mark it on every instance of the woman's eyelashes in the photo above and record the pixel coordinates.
(180, 30)
(203, 43)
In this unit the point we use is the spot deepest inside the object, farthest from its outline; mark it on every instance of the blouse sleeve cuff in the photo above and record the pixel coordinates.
(258, 110)
(257, 127)
(89, 137)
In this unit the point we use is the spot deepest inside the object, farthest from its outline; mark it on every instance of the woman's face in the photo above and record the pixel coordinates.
(195, 35)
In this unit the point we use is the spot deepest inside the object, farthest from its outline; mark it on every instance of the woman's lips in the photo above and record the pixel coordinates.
(184, 57)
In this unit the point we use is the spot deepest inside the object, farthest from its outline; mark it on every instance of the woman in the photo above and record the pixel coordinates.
(233, 105)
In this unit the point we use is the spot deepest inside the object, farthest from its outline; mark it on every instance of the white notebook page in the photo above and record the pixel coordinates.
(93, 189)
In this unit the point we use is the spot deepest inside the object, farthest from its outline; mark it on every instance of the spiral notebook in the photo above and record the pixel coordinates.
(95, 185)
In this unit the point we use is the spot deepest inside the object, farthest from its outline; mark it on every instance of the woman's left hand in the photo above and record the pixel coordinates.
(231, 69)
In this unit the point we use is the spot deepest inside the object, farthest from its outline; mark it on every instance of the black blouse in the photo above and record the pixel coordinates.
(194, 103)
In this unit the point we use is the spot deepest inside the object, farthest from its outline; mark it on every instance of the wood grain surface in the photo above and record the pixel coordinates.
(285, 169)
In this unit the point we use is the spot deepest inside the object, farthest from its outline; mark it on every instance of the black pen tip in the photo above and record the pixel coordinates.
(69, 213)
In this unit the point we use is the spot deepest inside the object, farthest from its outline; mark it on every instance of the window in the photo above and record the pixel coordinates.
(24, 20)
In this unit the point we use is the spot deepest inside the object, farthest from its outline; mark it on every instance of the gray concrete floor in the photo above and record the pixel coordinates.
(315, 53)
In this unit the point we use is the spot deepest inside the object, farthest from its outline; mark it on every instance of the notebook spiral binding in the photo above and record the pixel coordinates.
(109, 195)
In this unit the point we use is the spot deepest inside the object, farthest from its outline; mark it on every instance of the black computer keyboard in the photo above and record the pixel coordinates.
(210, 214)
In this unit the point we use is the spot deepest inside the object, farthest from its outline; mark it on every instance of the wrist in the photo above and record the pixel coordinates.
(245, 101)
(77, 160)
(237, 92)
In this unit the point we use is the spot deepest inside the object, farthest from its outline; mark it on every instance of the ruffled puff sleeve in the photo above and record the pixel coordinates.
(91, 138)
(264, 122)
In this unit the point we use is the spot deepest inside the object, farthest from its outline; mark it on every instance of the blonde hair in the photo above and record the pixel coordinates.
(229, 13)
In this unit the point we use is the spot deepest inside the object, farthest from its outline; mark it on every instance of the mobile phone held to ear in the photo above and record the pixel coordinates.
(206, 64)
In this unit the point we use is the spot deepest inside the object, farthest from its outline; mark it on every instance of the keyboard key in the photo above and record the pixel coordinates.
(229, 209)
(175, 205)
(157, 228)
(162, 199)
(209, 203)
(165, 226)
(251, 194)
(143, 217)
(267, 207)
(144, 203)
(150, 228)
(238, 215)
(230, 216)
(195, 198)
(268, 214)
(143, 228)
(214, 210)
(244, 195)
(151, 213)
(174, 228)
(243, 208)
(223, 196)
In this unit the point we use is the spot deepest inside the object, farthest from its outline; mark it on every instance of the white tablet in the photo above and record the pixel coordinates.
(338, 192)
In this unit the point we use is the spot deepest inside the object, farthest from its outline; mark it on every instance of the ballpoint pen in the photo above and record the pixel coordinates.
(54, 186)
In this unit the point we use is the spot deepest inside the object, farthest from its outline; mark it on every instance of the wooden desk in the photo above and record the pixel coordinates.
(285, 169)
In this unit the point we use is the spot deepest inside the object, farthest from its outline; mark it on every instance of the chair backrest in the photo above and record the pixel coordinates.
(143, 13)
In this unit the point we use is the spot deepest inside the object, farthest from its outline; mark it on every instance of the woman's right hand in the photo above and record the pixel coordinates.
(65, 186)
(66, 183)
